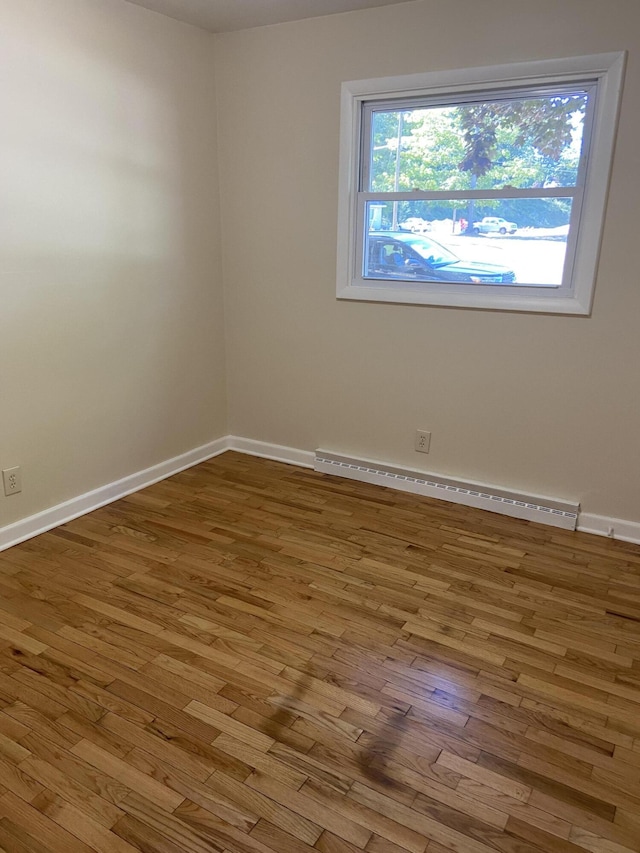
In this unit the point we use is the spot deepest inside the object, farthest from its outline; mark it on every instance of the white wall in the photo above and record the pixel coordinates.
(111, 349)
(112, 352)
(547, 404)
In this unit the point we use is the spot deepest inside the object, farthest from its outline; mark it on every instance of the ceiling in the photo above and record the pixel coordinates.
(220, 16)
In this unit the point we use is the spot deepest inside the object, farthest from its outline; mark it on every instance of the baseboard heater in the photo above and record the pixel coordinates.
(557, 513)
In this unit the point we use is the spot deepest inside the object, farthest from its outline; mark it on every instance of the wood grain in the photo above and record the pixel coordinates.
(254, 658)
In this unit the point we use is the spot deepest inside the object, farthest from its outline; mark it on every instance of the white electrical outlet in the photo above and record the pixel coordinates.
(423, 440)
(12, 479)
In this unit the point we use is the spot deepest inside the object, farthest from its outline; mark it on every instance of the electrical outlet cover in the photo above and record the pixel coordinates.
(422, 441)
(12, 480)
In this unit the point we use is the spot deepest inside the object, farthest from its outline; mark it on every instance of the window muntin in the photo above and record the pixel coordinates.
(560, 181)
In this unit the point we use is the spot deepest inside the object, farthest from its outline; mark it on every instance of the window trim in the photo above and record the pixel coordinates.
(606, 70)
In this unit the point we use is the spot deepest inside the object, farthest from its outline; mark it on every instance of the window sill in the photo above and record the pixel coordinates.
(500, 301)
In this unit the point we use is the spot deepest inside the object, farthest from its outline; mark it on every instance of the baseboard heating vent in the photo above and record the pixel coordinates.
(557, 513)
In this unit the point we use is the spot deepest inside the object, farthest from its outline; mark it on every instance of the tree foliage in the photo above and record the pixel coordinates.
(544, 124)
(527, 142)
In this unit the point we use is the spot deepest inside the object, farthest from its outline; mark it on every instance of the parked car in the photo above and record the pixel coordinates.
(406, 256)
(415, 223)
(494, 225)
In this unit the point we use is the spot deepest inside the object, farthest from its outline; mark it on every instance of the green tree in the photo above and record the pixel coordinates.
(542, 127)
(546, 124)
(519, 143)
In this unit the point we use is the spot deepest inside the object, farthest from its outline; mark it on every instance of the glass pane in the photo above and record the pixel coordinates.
(485, 241)
(522, 142)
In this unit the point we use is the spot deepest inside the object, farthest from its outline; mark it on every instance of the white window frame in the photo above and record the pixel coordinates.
(604, 71)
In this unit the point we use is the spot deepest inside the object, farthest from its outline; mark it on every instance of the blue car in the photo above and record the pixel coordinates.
(406, 256)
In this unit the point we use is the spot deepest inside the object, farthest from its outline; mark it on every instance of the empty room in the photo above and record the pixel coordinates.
(319, 371)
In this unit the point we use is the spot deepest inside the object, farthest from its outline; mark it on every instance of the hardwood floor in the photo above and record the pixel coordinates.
(254, 658)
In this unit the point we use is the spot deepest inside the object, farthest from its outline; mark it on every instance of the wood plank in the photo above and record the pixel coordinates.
(262, 806)
(71, 791)
(469, 770)
(309, 808)
(230, 726)
(255, 658)
(79, 823)
(126, 775)
(32, 820)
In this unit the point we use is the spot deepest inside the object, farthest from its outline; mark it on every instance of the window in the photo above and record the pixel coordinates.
(482, 188)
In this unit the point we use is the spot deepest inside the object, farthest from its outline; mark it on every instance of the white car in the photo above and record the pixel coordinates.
(415, 224)
(494, 225)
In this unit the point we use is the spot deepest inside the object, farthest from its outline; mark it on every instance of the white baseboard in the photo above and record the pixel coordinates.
(276, 452)
(19, 531)
(33, 525)
(614, 528)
